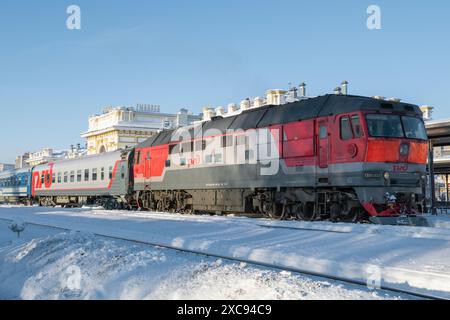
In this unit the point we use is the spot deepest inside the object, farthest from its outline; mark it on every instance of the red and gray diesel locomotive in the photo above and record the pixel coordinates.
(336, 157)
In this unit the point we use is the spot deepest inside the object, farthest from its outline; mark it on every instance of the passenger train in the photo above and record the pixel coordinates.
(337, 157)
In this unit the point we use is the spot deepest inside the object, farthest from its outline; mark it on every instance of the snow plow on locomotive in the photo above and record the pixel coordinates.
(334, 157)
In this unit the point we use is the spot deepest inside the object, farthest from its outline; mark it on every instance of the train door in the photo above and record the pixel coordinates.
(323, 144)
(147, 156)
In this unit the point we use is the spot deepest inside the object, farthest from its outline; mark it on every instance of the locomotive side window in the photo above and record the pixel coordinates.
(102, 173)
(357, 129)
(138, 157)
(72, 176)
(227, 141)
(174, 148)
(346, 129)
(241, 139)
(110, 173)
(79, 175)
(86, 175)
(186, 147)
(66, 177)
(59, 177)
(200, 145)
(323, 133)
(94, 174)
(54, 178)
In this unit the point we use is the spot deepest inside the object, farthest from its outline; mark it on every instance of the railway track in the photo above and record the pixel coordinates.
(254, 263)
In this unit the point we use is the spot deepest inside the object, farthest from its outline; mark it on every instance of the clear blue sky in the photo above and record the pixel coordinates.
(196, 53)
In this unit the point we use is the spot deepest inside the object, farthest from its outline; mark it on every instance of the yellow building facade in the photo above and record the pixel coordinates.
(125, 127)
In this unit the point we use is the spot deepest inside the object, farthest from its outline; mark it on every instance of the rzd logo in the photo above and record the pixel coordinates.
(42, 178)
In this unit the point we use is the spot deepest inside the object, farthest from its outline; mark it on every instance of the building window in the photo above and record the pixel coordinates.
(79, 175)
(86, 175)
(94, 174)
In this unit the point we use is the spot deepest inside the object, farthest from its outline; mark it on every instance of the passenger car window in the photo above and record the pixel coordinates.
(86, 175)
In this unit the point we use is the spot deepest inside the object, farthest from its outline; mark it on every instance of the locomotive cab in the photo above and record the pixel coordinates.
(394, 169)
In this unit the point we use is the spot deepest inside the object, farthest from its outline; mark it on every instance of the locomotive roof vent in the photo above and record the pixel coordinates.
(245, 104)
(258, 102)
(208, 113)
(344, 87)
(302, 89)
(232, 108)
(220, 111)
(379, 98)
(394, 99)
(338, 91)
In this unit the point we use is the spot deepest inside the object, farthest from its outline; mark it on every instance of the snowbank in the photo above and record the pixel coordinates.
(45, 264)
(402, 257)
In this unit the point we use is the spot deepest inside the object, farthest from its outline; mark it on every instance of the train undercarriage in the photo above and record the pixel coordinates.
(289, 203)
(306, 204)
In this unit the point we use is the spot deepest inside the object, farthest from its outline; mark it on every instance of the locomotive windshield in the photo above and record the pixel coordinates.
(394, 126)
(414, 128)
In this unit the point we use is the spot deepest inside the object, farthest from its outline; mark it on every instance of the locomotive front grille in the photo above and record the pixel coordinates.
(410, 179)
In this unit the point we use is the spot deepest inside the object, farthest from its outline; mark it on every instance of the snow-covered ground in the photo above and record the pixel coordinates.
(49, 262)
(45, 263)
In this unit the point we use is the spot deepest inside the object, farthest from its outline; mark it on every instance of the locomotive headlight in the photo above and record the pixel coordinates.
(404, 149)
(387, 176)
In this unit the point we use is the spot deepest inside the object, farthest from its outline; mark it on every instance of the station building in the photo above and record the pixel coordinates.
(124, 127)
(6, 167)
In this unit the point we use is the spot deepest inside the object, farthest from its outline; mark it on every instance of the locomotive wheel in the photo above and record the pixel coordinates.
(272, 211)
(307, 212)
(354, 215)
(335, 212)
